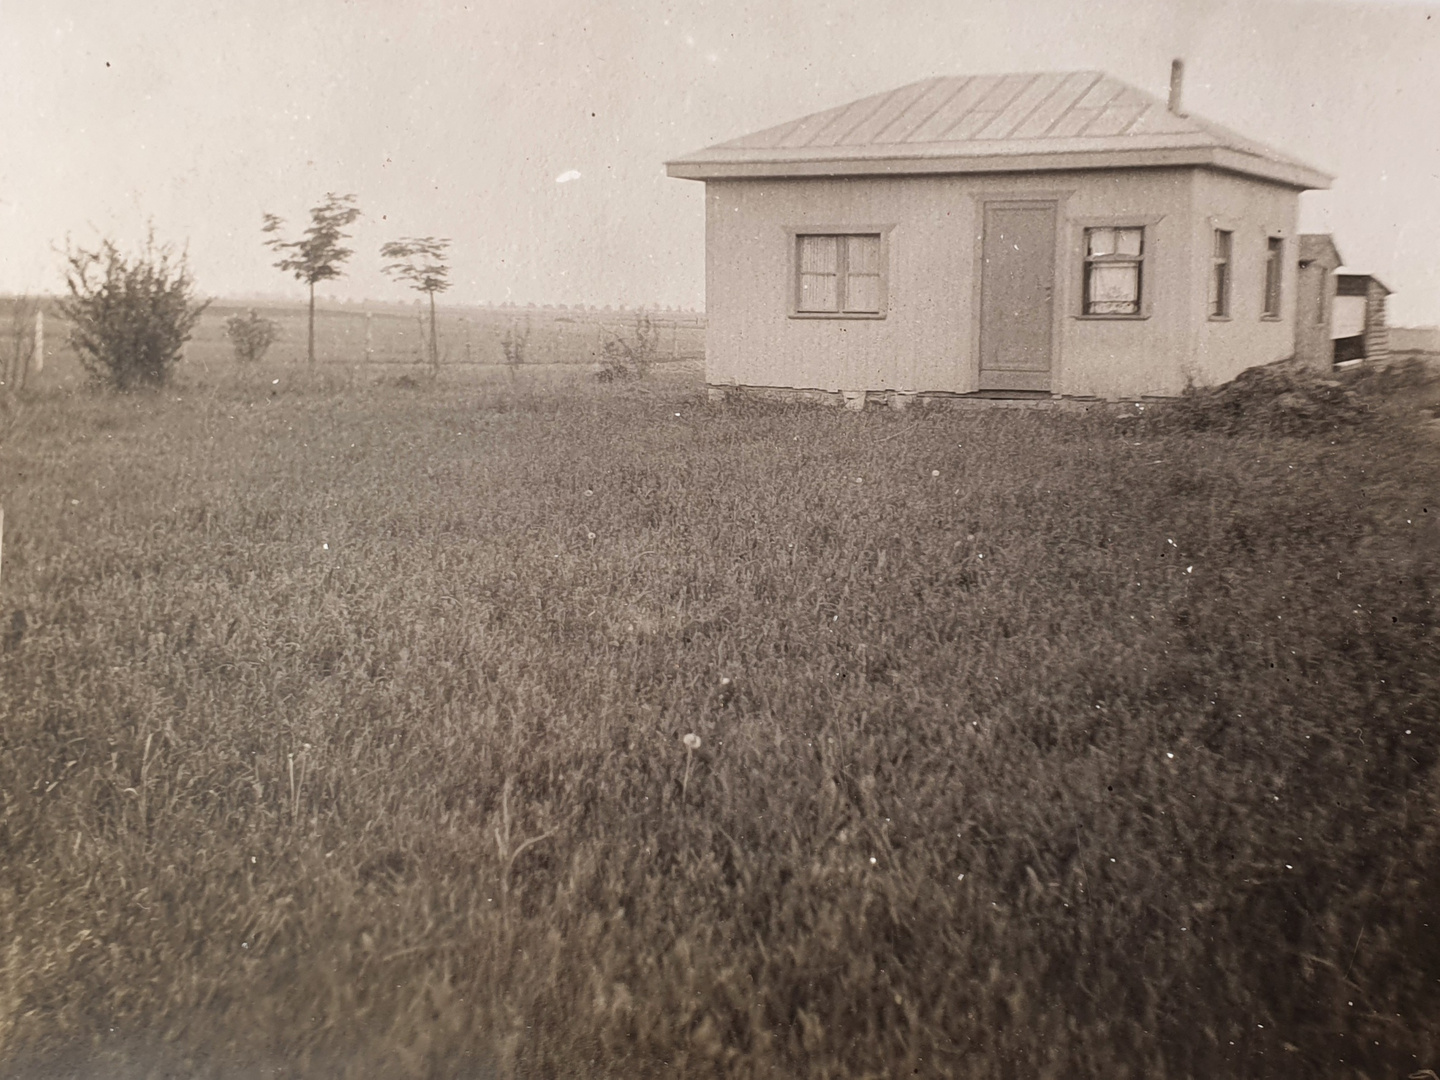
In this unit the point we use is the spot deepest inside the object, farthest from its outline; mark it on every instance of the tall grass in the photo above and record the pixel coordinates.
(1031, 745)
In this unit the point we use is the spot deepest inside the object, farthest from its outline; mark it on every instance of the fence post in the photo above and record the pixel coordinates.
(369, 337)
(39, 362)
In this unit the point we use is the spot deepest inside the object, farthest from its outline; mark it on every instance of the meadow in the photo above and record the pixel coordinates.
(343, 733)
(392, 338)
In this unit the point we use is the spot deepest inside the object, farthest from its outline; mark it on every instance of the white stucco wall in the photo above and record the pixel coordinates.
(928, 340)
(1254, 211)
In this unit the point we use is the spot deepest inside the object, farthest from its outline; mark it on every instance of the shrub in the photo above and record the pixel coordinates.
(629, 355)
(515, 344)
(129, 317)
(251, 335)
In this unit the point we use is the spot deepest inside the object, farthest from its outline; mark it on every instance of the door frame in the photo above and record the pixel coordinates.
(1059, 291)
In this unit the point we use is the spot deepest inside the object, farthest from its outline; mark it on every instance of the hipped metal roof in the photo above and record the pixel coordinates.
(994, 123)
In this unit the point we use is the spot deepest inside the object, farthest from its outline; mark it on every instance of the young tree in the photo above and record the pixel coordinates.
(318, 255)
(129, 317)
(420, 263)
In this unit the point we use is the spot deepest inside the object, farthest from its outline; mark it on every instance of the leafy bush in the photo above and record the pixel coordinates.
(251, 335)
(629, 354)
(129, 317)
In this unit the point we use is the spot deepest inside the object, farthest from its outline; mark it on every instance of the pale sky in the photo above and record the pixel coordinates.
(456, 119)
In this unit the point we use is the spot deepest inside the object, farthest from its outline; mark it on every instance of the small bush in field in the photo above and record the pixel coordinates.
(130, 316)
(515, 344)
(629, 354)
(251, 335)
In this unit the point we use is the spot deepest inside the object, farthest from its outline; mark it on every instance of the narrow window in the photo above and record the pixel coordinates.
(862, 275)
(839, 275)
(1114, 270)
(1220, 275)
(819, 273)
(1274, 253)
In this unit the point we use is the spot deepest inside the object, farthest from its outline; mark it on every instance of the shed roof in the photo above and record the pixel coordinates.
(994, 123)
(1362, 275)
(1319, 247)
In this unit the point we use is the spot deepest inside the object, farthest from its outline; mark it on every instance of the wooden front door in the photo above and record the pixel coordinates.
(1017, 296)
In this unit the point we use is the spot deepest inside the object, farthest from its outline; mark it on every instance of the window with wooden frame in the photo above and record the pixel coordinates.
(1274, 266)
(1220, 257)
(1114, 270)
(839, 274)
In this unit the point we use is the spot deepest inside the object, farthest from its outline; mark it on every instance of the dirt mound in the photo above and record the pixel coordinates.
(1281, 398)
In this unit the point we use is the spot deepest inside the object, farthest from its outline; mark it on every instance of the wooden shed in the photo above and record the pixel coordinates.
(1358, 324)
(1315, 301)
(1015, 235)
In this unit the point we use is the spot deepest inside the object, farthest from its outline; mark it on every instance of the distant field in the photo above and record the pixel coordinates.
(341, 736)
(390, 337)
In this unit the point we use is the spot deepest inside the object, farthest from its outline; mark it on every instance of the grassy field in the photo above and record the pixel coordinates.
(392, 338)
(341, 735)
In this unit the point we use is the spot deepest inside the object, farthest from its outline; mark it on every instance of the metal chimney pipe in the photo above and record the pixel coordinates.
(1177, 82)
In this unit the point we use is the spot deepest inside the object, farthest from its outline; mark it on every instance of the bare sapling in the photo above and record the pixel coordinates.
(628, 354)
(515, 344)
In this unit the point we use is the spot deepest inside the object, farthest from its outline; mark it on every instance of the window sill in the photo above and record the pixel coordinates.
(1219, 318)
(1271, 318)
(837, 315)
(1141, 317)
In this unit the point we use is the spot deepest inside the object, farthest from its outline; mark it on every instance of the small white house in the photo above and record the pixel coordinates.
(1015, 235)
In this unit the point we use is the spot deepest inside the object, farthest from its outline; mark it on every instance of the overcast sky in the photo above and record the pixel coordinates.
(456, 119)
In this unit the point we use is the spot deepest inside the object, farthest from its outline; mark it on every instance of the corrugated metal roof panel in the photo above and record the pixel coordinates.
(1070, 89)
(1074, 121)
(897, 104)
(968, 92)
(918, 111)
(837, 131)
(1031, 96)
(1113, 120)
(1031, 116)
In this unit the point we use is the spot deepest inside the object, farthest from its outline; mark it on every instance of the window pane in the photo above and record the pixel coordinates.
(1273, 266)
(819, 254)
(819, 266)
(817, 293)
(1222, 244)
(863, 254)
(1114, 289)
(862, 293)
(1220, 290)
(1127, 241)
(1100, 241)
